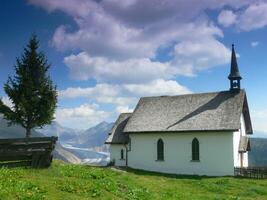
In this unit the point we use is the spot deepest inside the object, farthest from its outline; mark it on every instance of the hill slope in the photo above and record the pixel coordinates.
(73, 146)
(76, 182)
(95, 136)
(16, 131)
(258, 154)
(13, 131)
(64, 134)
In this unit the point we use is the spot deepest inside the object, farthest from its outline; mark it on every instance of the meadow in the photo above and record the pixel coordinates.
(76, 182)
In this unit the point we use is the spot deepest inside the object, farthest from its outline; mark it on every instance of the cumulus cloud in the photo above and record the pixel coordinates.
(7, 101)
(125, 94)
(133, 30)
(123, 97)
(206, 53)
(254, 44)
(186, 61)
(72, 7)
(227, 18)
(105, 90)
(124, 109)
(254, 17)
(81, 117)
(251, 17)
(116, 43)
(157, 87)
(101, 93)
(84, 67)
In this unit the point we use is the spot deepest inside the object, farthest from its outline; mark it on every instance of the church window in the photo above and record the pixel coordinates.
(195, 149)
(160, 150)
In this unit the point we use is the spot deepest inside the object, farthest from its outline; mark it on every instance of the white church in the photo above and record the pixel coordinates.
(197, 134)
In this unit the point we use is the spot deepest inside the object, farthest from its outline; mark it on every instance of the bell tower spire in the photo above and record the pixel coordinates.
(234, 75)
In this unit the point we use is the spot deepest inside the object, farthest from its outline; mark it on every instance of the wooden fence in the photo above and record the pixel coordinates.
(35, 152)
(251, 172)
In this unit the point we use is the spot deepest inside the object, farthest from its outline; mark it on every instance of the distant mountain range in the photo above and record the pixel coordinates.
(63, 133)
(95, 137)
(73, 146)
(13, 131)
(84, 146)
(258, 154)
(88, 146)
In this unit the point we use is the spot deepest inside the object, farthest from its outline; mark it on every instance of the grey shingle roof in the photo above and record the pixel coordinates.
(217, 111)
(116, 135)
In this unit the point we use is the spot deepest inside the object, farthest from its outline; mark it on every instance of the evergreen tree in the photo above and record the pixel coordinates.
(31, 91)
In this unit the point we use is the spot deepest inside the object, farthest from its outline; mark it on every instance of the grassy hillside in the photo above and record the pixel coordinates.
(65, 181)
(257, 156)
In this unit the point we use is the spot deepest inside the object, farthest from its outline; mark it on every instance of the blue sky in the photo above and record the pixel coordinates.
(106, 54)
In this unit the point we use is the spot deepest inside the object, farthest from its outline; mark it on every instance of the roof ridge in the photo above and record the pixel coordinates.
(201, 93)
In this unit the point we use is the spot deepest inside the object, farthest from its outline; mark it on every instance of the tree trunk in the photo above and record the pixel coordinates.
(28, 132)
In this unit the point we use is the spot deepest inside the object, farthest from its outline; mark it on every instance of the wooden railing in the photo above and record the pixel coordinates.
(35, 152)
(251, 172)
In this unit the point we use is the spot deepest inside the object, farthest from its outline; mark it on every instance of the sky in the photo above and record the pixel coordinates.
(106, 54)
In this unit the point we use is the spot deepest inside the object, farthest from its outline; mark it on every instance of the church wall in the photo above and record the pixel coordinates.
(236, 140)
(216, 153)
(115, 154)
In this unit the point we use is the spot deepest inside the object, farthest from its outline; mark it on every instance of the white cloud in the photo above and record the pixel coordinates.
(254, 44)
(254, 17)
(124, 109)
(124, 94)
(99, 90)
(116, 43)
(200, 55)
(72, 7)
(81, 117)
(227, 18)
(84, 67)
(7, 101)
(101, 93)
(259, 118)
(157, 87)
(133, 30)
(122, 97)
(206, 52)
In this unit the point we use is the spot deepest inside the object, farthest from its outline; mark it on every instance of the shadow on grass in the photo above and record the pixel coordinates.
(166, 175)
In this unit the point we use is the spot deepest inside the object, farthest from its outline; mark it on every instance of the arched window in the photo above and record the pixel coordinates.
(195, 149)
(160, 150)
(122, 154)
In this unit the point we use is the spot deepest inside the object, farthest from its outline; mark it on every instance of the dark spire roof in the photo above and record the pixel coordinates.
(234, 74)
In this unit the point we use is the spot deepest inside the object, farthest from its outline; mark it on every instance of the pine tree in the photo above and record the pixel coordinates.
(31, 91)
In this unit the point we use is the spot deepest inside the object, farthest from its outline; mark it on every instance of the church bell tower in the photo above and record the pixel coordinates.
(234, 75)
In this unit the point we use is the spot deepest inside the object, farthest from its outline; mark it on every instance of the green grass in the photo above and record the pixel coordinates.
(75, 182)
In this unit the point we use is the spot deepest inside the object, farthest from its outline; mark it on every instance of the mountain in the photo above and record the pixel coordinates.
(88, 147)
(64, 154)
(85, 147)
(258, 154)
(14, 131)
(89, 156)
(65, 135)
(95, 137)
(92, 138)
